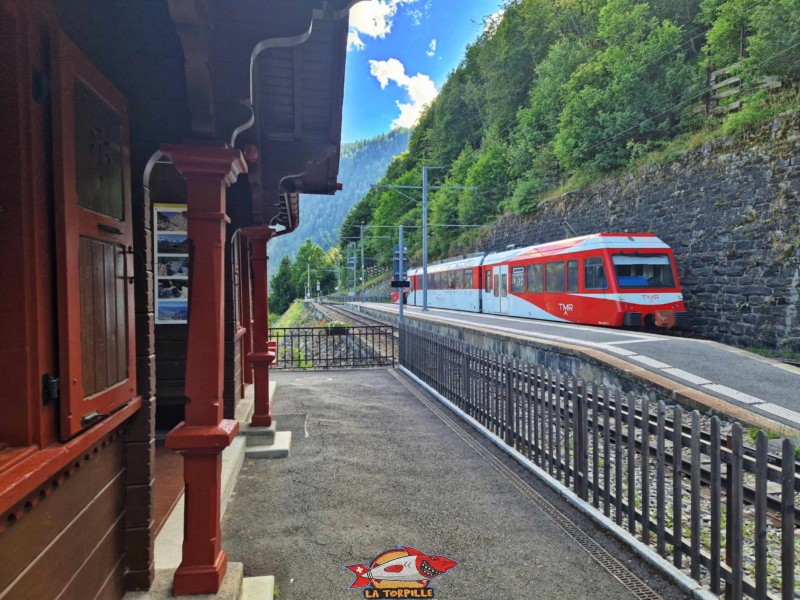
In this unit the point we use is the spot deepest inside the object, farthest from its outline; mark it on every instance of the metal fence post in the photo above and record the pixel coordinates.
(509, 416)
(581, 441)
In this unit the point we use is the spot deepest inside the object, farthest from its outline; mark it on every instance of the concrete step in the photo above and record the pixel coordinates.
(259, 436)
(278, 449)
(258, 588)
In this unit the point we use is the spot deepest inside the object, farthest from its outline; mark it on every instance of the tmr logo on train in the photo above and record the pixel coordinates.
(566, 308)
(400, 573)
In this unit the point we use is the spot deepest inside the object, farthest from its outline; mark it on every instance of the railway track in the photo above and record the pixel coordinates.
(335, 312)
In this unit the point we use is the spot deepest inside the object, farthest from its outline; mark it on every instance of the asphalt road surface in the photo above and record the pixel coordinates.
(372, 467)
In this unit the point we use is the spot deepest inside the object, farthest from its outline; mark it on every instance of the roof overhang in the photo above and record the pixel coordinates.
(269, 73)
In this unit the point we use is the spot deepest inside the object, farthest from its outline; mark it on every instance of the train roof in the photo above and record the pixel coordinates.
(597, 241)
(449, 265)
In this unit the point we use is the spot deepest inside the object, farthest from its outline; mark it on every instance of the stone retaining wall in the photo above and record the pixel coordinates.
(731, 211)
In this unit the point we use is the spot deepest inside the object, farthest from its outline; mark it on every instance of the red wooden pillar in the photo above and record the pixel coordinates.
(262, 356)
(201, 438)
(246, 302)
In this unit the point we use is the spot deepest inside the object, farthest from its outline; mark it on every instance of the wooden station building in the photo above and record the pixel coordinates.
(150, 149)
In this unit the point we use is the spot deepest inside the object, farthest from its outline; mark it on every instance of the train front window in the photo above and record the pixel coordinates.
(643, 271)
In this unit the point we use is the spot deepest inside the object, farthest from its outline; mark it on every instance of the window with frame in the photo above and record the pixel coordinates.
(459, 280)
(594, 277)
(496, 286)
(647, 271)
(535, 279)
(468, 279)
(488, 285)
(554, 278)
(518, 279)
(572, 275)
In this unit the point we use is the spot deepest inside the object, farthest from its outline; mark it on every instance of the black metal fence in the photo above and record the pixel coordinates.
(685, 485)
(334, 347)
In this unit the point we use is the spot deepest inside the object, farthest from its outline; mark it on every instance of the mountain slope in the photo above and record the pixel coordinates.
(362, 164)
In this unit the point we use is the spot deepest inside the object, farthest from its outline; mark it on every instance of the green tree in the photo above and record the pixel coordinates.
(773, 46)
(629, 95)
(282, 288)
(445, 202)
(730, 21)
(489, 176)
(309, 259)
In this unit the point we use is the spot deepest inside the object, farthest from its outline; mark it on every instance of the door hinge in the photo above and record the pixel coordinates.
(51, 388)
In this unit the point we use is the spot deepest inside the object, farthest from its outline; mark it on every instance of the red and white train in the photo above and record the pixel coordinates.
(611, 279)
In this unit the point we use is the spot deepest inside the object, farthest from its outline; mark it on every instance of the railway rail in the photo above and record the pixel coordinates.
(335, 312)
(363, 343)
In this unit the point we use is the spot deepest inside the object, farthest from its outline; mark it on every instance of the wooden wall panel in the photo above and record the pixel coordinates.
(73, 518)
(101, 569)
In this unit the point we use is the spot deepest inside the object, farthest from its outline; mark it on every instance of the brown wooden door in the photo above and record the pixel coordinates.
(93, 240)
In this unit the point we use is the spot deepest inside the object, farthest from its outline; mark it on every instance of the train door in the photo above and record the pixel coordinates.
(500, 276)
(504, 289)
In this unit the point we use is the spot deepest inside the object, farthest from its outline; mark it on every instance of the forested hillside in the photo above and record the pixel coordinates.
(561, 93)
(362, 164)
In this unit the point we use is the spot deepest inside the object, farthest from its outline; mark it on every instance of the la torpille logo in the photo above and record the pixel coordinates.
(401, 573)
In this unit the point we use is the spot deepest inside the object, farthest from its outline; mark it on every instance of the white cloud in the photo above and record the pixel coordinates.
(354, 42)
(420, 14)
(374, 18)
(420, 88)
(431, 48)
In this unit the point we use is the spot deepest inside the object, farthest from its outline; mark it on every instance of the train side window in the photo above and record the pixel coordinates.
(504, 285)
(451, 280)
(468, 279)
(535, 279)
(488, 287)
(518, 279)
(554, 280)
(459, 279)
(496, 286)
(594, 274)
(572, 275)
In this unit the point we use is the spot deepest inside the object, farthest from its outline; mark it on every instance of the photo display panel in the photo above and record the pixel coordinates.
(171, 268)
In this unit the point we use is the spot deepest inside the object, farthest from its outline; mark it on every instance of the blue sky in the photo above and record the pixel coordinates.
(400, 52)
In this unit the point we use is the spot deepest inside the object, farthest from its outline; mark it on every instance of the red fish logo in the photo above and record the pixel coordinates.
(402, 569)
